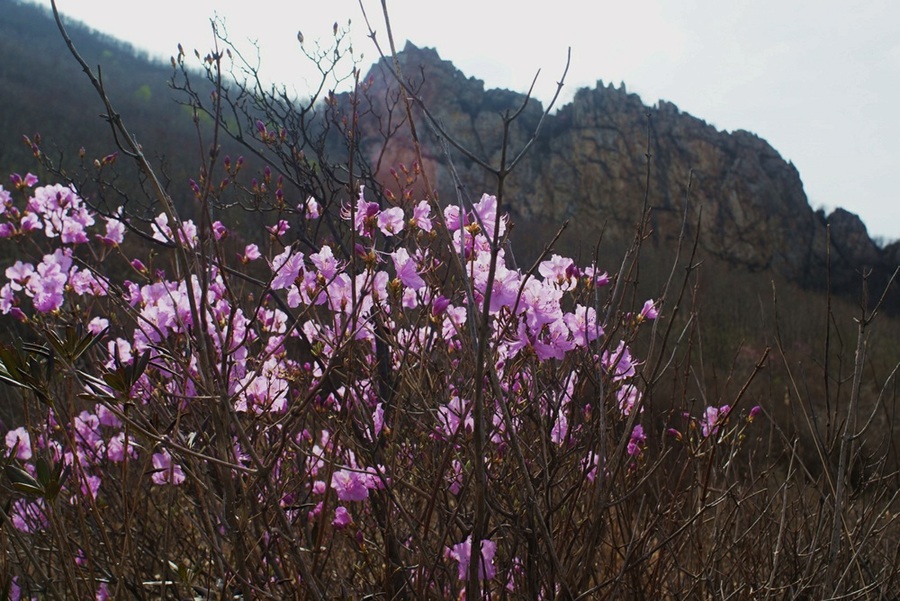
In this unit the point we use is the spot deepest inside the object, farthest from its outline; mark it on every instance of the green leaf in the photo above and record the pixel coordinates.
(22, 481)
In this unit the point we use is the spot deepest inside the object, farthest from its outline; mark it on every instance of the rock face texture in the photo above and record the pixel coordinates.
(589, 165)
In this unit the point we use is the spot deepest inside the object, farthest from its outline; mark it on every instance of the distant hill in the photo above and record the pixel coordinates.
(589, 166)
(43, 91)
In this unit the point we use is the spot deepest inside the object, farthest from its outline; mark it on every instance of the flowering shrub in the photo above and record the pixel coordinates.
(161, 353)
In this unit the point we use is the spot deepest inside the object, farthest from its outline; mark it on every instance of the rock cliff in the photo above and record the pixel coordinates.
(589, 165)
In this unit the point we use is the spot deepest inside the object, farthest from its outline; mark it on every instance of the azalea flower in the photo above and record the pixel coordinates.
(422, 216)
(712, 418)
(462, 553)
(649, 311)
(406, 269)
(350, 485)
(637, 440)
(286, 268)
(390, 221)
(165, 471)
(311, 209)
(342, 518)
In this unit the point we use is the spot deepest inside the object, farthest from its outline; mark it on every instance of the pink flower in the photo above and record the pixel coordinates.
(636, 443)
(583, 325)
(390, 221)
(422, 216)
(219, 230)
(364, 214)
(350, 485)
(649, 311)
(116, 449)
(279, 229)
(325, 262)
(618, 363)
(453, 415)
(712, 418)
(115, 233)
(342, 518)
(558, 271)
(406, 269)
(251, 253)
(27, 182)
(439, 305)
(286, 268)
(29, 222)
(21, 440)
(18, 274)
(486, 209)
(311, 209)
(452, 218)
(378, 419)
(596, 278)
(628, 396)
(165, 471)
(29, 516)
(47, 290)
(462, 553)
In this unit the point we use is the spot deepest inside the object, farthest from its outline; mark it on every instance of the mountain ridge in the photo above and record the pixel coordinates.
(588, 165)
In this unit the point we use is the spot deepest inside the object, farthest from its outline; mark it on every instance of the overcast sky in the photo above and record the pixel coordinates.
(818, 79)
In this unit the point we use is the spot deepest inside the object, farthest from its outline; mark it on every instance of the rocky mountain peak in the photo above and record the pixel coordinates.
(589, 165)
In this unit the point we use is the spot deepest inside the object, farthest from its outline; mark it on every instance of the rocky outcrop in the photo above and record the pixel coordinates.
(590, 165)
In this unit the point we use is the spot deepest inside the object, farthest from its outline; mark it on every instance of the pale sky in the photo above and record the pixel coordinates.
(818, 79)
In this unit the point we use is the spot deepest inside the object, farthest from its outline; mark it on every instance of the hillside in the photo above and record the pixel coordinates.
(43, 92)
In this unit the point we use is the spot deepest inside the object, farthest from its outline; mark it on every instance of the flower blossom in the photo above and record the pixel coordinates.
(165, 471)
(637, 440)
(462, 553)
(712, 418)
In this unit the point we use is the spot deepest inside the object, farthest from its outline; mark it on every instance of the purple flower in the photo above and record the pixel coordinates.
(342, 518)
(453, 415)
(462, 553)
(350, 485)
(312, 209)
(422, 216)
(439, 305)
(636, 443)
(219, 230)
(251, 253)
(649, 311)
(286, 268)
(596, 278)
(628, 396)
(47, 290)
(558, 271)
(486, 209)
(406, 269)
(325, 262)
(20, 439)
(20, 183)
(712, 418)
(115, 233)
(378, 419)
(165, 471)
(583, 325)
(619, 363)
(390, 221)
(279, 229)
